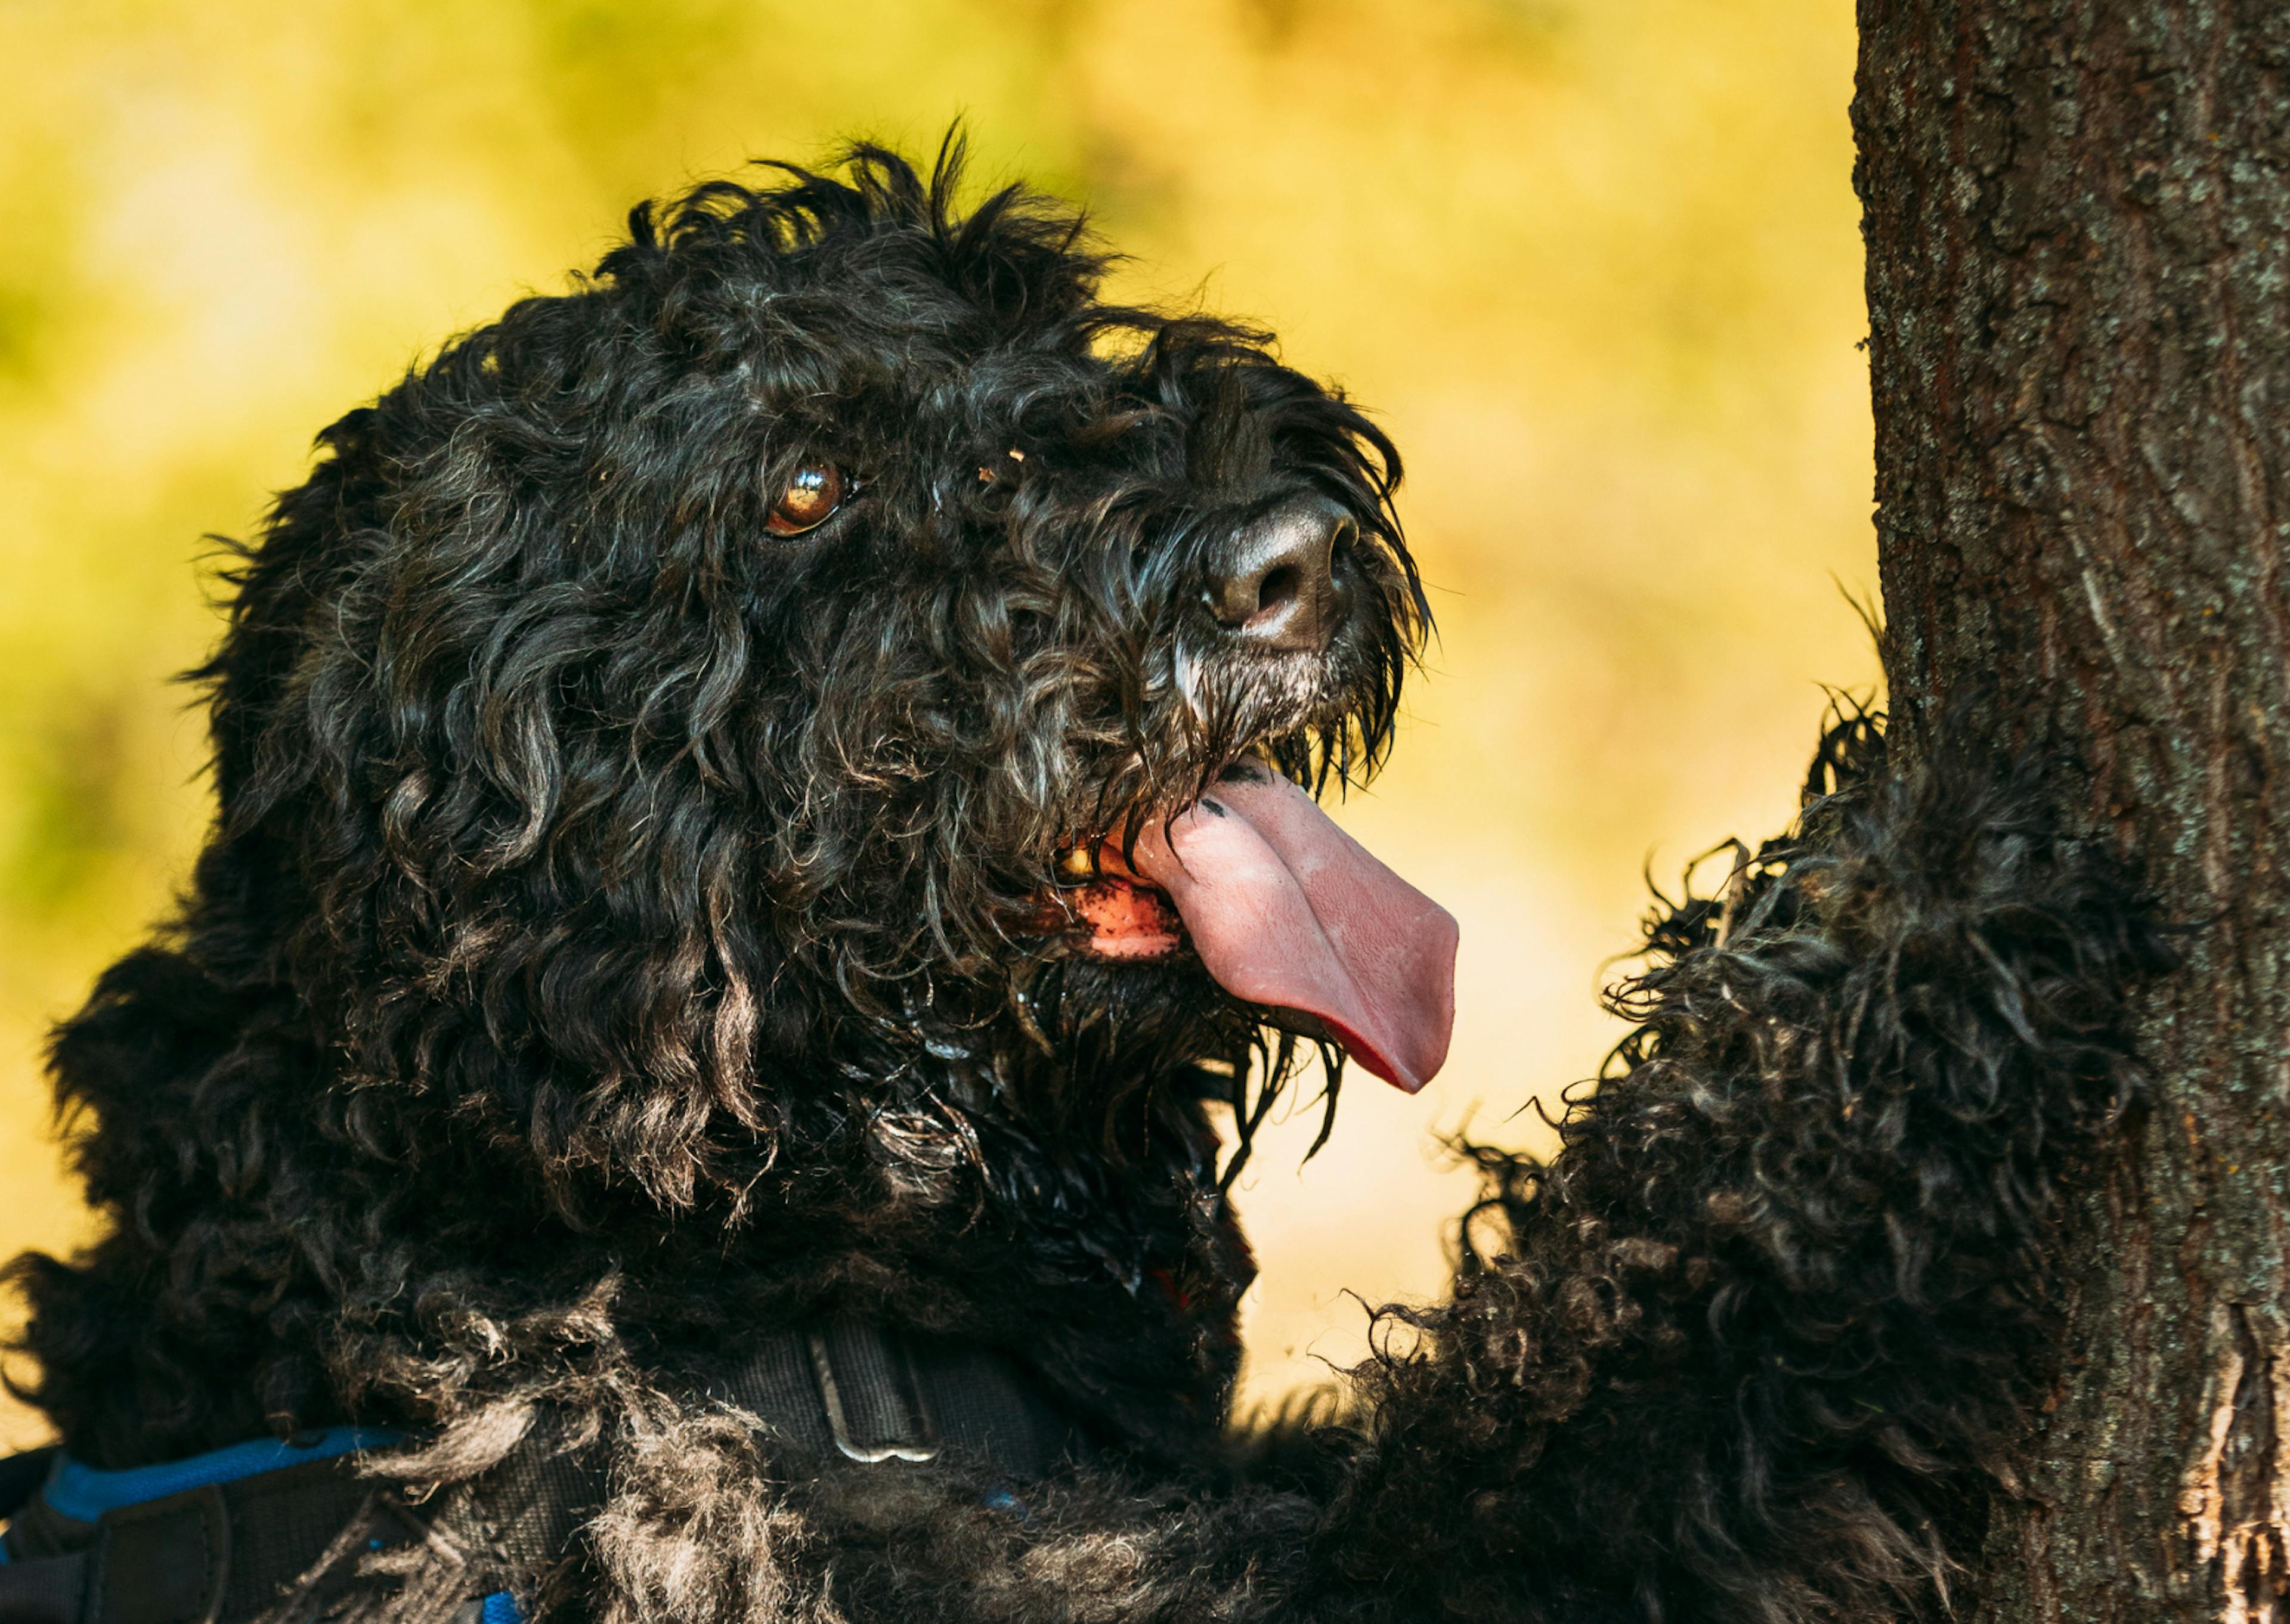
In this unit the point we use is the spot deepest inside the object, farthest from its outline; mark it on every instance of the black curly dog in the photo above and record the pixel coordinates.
(758, 829)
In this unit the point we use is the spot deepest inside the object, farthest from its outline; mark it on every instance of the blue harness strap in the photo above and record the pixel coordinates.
(84, 1493)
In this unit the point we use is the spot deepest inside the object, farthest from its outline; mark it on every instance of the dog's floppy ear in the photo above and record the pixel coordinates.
(476, 754)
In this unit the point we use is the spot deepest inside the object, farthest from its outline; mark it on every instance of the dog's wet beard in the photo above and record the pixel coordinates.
(1131, 1064)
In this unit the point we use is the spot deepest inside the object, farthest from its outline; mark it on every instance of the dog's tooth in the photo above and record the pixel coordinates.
(1187, 670)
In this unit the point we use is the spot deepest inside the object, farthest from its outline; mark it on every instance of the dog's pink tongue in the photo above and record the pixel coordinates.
(1287, 909)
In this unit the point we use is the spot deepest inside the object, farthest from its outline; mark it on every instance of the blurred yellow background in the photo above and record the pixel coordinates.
(1593, 262)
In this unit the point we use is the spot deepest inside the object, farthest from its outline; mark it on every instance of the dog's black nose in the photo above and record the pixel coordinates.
(1277, 590)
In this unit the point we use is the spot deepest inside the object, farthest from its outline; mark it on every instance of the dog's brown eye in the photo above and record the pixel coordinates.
(806, 501)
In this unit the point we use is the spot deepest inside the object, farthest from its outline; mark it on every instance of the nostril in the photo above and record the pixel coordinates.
(1281, 585)
(1278, 589)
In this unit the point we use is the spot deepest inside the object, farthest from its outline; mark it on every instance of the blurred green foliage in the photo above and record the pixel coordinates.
(1593, 261)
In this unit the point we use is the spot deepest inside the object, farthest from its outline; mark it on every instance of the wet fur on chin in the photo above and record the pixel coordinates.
(605, 947)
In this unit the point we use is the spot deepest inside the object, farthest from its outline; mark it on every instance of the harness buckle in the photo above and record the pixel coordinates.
(876, 1409)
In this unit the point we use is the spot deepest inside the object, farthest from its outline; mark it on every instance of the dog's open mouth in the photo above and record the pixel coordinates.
(1287, 913)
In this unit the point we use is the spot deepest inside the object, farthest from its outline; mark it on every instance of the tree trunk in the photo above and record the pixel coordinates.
(2077, 215)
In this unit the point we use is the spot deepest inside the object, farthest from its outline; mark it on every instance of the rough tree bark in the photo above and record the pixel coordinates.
(2077, 215)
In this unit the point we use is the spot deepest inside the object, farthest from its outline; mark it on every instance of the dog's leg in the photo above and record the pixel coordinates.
(1757, 1342)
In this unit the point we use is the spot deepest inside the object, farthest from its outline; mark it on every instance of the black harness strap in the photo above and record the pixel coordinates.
(44, 1592)
(385, 1566)
(208, 1554)
(854, 1388)
(314, 1539)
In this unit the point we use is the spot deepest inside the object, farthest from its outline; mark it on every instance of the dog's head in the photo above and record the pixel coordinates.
(828, 651)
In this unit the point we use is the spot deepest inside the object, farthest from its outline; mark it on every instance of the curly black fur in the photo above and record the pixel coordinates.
(625, 927)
